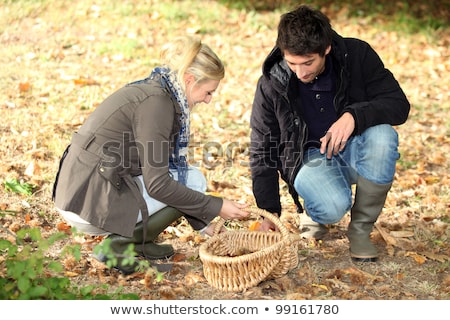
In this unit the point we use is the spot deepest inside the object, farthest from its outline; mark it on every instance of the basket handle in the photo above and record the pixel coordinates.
(261, 212)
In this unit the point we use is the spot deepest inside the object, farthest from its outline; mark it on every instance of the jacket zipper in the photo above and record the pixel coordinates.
(340, 92)
(299, 159)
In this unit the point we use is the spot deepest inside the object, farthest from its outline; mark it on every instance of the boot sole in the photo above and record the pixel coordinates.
(156, 258)
(167, 255)
(364, 259)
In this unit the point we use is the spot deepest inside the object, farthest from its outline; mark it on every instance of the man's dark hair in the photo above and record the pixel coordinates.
(304, 31)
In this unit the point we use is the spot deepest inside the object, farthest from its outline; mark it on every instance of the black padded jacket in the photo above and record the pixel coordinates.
(364, 87)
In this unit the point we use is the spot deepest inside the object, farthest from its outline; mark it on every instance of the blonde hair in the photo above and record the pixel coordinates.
(189, 55)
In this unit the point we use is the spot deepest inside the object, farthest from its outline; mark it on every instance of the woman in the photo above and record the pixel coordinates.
(125, 172)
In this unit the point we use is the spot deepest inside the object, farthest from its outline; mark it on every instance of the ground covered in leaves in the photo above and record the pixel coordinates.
(61, 59)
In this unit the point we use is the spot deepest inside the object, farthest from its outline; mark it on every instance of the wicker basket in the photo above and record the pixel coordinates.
(238, 260)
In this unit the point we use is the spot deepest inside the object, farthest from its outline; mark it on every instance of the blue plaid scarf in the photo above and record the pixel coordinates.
(178, 160)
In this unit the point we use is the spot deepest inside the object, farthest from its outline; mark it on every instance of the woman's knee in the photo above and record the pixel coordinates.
(196, 180)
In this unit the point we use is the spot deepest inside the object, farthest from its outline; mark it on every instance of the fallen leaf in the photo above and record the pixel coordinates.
(446, 281)
(321, 286)
(336, 283)
(362, 274)
(85, 82)
(271, 285)
(174, 230)
(400, 276)
(402, 234)
(178, 257)
(24, 86)
(285, 283)
(297, 296)
(431, 179)
(390, 250)
(437, 257)
(33, 169)
(254, 226)
(167, 293)
(192, 278)
(62, 226)
(402, 243)
(181, 291)
(220, 185)
(198, 239)
(417, 257)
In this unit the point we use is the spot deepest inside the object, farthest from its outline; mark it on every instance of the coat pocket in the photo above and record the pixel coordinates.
(73, 178)
(110, 174)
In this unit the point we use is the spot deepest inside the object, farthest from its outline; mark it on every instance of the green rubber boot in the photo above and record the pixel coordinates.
(156, 224)
(369, 202)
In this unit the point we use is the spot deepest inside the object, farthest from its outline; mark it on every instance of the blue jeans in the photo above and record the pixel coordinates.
(195, 180)
(326, 184)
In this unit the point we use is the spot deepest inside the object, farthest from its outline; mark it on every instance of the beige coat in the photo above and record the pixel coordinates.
(131, 133)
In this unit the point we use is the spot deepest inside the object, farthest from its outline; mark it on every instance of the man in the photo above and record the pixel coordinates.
(322, 120)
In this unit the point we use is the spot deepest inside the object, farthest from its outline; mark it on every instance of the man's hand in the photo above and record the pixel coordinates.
(268, 225)
(337, 135)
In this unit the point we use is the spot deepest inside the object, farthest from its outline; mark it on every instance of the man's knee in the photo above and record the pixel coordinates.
(329, 211)
(383, 135)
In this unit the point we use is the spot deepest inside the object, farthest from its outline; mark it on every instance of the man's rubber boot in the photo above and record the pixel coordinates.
(369, 202)
(310, 229)
(156, 224)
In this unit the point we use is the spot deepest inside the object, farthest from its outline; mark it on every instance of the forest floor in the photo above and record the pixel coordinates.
(61, 59)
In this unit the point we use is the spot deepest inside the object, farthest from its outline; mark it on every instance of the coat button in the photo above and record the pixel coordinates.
(318, 96)
(102, 169)
(322, 109)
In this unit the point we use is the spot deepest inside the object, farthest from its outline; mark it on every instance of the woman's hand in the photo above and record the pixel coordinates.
(230, 210)
(233, 210)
